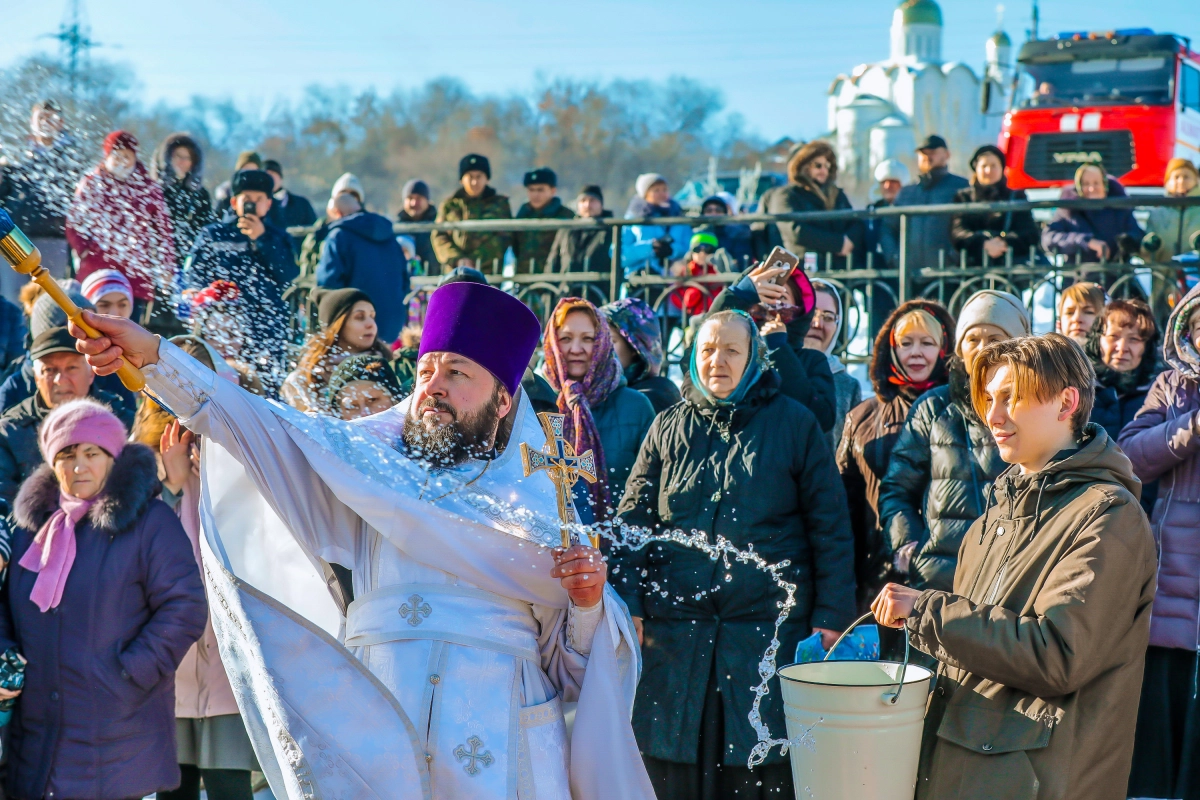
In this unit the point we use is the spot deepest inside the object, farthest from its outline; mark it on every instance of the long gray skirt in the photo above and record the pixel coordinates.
(214, 742)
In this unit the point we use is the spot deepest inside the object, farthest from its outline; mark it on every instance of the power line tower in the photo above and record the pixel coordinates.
(74, 41)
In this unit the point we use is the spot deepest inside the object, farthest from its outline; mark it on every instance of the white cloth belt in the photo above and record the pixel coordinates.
(444, 613)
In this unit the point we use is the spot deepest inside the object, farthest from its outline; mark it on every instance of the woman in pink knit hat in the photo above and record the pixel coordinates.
(103, 599)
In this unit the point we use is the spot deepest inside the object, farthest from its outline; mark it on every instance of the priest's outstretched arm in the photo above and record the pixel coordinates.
(242, 423)
(294, 468)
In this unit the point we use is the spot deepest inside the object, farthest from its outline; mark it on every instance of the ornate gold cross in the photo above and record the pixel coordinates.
(563, 467)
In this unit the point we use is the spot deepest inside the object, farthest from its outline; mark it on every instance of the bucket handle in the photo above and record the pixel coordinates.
(890, 697)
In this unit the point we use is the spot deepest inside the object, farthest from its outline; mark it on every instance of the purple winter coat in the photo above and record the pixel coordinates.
(1071, 229)
(1163, 442)
(97, 717)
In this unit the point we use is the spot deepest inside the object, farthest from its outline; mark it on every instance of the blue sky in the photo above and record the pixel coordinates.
(773, 60)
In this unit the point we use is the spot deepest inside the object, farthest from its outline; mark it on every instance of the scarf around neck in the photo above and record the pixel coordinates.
(899, 375)
(52, 553)
(577, 398)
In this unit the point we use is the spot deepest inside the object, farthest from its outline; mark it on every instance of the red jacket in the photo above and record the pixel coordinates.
(692, 299)
(124, 225)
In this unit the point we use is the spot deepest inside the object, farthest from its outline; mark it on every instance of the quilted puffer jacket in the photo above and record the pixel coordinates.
(936, 485)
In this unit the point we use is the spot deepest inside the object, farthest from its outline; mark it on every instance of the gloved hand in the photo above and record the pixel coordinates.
(1127, 244)
(663, 247)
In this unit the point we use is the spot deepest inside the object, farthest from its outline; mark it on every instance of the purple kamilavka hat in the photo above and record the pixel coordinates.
(488, 326)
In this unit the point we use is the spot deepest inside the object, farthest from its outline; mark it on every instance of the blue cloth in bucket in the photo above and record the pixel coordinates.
(861, 645)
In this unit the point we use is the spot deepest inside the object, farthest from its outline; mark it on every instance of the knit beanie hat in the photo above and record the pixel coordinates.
(992, 307)
(271, 165)
(46, 313)
(1181, 163)
(704, 237)
(120, 140)
(474, 161)
(106, 281)
(645, 181)
(245, 159)
(333, 303)
(349, 182)
(415, 186)
(78, 422)
(592, 190)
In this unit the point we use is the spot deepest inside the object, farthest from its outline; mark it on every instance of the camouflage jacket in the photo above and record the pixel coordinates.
(532, 248)
(485, 249)
(310, 251)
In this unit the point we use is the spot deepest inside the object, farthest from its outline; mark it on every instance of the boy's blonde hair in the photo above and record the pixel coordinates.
(1042, 366)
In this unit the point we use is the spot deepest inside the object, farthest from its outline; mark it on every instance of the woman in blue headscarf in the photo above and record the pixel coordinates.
(736, 459)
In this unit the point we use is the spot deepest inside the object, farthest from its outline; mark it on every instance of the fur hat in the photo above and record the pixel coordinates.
(252, 180)
(474, 162)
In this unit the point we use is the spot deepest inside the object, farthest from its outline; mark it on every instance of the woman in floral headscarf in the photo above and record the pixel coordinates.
(603, 414)
(637, 338)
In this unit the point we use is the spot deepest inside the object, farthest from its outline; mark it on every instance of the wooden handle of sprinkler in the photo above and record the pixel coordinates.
(130, 375)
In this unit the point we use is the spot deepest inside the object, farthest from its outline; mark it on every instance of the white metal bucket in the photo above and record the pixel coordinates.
(864, 719)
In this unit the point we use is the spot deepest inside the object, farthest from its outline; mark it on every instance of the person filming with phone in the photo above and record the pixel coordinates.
(247, 250)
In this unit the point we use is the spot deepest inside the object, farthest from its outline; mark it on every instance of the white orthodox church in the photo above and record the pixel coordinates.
(881, 110)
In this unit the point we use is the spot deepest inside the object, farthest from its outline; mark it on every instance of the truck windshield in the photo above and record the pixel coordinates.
(1101, 81)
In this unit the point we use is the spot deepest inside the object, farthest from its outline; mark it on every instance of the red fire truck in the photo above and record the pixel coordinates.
(1128, 98)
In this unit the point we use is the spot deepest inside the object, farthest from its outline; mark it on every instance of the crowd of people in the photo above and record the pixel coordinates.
(766, 440)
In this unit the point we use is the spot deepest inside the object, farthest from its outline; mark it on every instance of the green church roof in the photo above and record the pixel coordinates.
(1001, 39)
(921, 12)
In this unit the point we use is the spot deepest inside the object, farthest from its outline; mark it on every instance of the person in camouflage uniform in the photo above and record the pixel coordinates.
(532, 248)
(475, 200)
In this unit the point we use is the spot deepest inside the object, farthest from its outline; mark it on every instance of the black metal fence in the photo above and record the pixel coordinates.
(870, 287)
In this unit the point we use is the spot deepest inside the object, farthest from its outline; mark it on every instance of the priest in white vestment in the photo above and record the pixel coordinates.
(473, 627)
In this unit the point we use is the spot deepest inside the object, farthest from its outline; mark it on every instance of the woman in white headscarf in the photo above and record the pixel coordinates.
(823, 334)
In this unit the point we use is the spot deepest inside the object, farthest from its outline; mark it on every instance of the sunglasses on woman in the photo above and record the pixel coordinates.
(785, 313)
(707, 249)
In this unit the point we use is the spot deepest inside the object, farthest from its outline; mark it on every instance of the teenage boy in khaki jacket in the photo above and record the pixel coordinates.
(1043, 639)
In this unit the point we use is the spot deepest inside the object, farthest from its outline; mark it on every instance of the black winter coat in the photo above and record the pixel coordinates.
(19, 453)
(970, 231)
(188, 202)
(97, 717)
(660, 390)
(760, 475)
(937, 482)
(581, 250)
(804, 374)
(824, 237)
(37, 191)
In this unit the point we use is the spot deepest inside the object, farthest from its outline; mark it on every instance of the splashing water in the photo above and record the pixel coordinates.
(375, 455)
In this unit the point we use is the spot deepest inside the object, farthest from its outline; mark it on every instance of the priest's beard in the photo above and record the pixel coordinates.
(465, 437)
